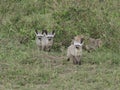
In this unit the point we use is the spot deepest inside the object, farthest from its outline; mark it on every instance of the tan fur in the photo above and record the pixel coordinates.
(44, 40)
(78, 38)
(75, 52)
(92, 44)
(49, 39)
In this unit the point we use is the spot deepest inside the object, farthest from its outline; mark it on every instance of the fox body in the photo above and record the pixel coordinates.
(93, 44)
(74, 51)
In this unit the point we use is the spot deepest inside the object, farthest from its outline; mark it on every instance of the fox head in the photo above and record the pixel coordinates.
(78, 41)
(39, 35)
(50, 36)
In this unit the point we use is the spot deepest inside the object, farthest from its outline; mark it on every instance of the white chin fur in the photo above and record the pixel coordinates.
(77, 43)
(50, 35)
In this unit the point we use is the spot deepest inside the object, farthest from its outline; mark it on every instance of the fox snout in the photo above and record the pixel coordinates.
(77, 47)
(49, 39)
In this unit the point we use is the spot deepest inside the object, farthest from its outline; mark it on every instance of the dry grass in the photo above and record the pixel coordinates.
(22, 67)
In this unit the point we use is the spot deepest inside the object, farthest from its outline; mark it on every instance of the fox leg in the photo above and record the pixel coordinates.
(78, 60)
(48, 48)
(74, 60)
(68, 59)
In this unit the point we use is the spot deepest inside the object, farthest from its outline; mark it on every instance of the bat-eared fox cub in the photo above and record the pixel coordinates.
(74, 51)
(44, 39)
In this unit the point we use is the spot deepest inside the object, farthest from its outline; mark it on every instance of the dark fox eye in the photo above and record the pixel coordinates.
(77, 47)
(49, 39)
(39, 38)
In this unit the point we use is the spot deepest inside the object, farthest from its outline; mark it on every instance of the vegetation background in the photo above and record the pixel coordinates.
(22, 67)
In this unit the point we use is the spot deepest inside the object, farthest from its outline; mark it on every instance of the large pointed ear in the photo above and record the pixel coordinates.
(44, 31)
(36, 31)
(82, 40)
(53, 32)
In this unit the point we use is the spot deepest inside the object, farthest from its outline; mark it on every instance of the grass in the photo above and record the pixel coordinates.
(23, 67)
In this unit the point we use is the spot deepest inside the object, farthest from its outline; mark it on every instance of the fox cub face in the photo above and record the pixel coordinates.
(44, 40)
(49, 39)
(74, 51)
(78, 41)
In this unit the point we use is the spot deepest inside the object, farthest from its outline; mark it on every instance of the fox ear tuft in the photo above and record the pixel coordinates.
(82, 39)
(36, 31)
(44, 31)
(53, 32)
